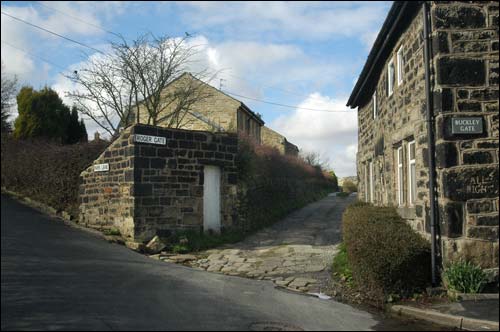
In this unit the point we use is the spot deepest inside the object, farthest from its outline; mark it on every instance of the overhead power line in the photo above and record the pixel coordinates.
(287, 106)
(78, 19)
(99, 51)
(228, 92)
(293, 93)
(53, 33)
(118, 35)
(33, 55)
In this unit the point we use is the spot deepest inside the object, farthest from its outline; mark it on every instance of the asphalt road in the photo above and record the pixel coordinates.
(55, 277)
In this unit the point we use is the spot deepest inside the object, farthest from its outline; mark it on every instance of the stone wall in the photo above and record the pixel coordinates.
(465, 60)
(400, 119)
(273, 139)
(465, 83)
(106, 197)
(156, 189)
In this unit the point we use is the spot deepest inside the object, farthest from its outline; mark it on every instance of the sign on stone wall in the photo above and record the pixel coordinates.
(469, 183)
(472, 125)
(150, 139)
(101, 168)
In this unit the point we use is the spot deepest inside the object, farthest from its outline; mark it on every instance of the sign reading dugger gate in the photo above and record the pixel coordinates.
(150, 139)
(467, 125)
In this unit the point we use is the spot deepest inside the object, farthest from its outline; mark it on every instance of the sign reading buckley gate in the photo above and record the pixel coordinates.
(150, 139)
(467, 125)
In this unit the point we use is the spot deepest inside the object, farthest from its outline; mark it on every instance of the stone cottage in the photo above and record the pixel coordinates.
(274, 139)
(427, 102)
(212, 110)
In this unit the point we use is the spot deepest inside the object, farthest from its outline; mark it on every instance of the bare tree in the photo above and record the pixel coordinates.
(103, 96)
(128, 84)
(9, 89)
(315, 159)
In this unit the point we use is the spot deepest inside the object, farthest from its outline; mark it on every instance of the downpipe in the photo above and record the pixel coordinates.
(430, 143)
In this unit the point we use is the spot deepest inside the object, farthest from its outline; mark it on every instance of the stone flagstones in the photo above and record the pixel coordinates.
(295, 253)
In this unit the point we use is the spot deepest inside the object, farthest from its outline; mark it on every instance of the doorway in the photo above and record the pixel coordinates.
(211, 199)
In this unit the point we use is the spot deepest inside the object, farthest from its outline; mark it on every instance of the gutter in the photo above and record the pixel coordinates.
(430, 141)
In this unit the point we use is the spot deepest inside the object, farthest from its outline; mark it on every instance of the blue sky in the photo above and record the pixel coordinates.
(304, 54)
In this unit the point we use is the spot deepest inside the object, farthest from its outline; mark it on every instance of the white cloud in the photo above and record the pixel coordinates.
(333, 135)
(287, 20)
(29, 39)
(248, 68)
(244, 66)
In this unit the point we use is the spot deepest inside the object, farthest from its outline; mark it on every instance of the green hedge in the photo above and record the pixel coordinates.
(272, 200)
(385, 254)
(45, 171)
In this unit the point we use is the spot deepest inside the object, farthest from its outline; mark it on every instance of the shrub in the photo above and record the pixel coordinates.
(464, 277)
(349, 187)
(47, 172)
(342, 194)
(386, 256)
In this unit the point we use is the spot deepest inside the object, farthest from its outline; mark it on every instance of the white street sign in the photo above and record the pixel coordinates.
(101, 168)
(150, 139)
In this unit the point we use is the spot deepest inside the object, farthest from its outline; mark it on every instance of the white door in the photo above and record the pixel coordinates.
(211, 199)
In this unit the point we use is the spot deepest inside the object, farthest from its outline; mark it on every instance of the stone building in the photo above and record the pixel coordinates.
(153, 181)
(459, 92)
(211, 110)
(273, 139)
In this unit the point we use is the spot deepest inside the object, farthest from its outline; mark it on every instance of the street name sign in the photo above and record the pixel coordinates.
(472, 125)
(150, 139)
(101, 168)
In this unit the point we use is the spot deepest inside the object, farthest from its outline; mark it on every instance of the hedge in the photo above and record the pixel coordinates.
(385, 254)
(272, 185)
(47, 172)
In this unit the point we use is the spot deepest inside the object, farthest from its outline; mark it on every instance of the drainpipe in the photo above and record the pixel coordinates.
(430, 141)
